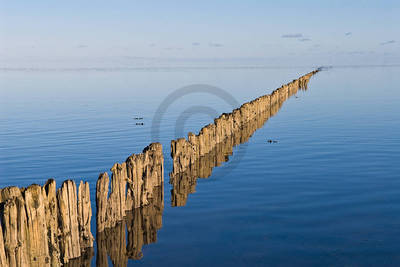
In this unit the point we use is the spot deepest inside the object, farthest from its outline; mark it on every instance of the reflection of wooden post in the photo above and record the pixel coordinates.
(141, 225)
(85, 260)
(112, 242)
(101, 256)
(135, 234)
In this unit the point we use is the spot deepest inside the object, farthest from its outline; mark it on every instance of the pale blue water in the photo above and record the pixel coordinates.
(328, 193)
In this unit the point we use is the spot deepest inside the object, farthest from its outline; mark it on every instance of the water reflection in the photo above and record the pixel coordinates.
(125, 241)
(84, 260)
(116, 245)
(184, 183)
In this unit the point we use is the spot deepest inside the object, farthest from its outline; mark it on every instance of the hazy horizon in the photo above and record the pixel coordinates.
(130, 33)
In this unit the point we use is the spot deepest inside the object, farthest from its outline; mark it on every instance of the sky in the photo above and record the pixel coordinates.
(124, 33)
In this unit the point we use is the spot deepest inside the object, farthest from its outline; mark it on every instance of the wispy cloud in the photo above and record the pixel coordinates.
(292, 35)
(173, 48)
(348, 33)
(388, 42)
(304, 39)
(215, 45)
(152, 45)
(82, 46)
(356, 52)
(195, 44)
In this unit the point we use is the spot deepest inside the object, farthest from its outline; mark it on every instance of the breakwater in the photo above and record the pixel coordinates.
(46, 226)
(42, 226)
(196, 156)
(125, 240)
(184, 182)
(132, 186)
(50, 226)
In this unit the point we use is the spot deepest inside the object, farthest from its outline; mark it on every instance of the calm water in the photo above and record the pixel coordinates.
(328, 193)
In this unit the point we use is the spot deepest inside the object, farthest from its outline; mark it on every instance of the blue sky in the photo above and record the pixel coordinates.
(289, 32)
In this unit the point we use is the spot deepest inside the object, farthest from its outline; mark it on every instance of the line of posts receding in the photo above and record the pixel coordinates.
(46, 226)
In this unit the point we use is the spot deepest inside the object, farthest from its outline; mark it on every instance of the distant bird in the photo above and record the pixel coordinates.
(138, 118)
(272, 141)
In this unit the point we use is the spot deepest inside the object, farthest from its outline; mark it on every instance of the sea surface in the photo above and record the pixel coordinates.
(327, 193)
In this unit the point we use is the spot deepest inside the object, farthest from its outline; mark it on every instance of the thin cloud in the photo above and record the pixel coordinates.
(304, 39)
(215, 45)
(82, 46)
(292, 35)
(152, 45)
(356, 52)
(270, 44)
(388, 42)
(195, 44)
(348, 33)
(173, 48)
